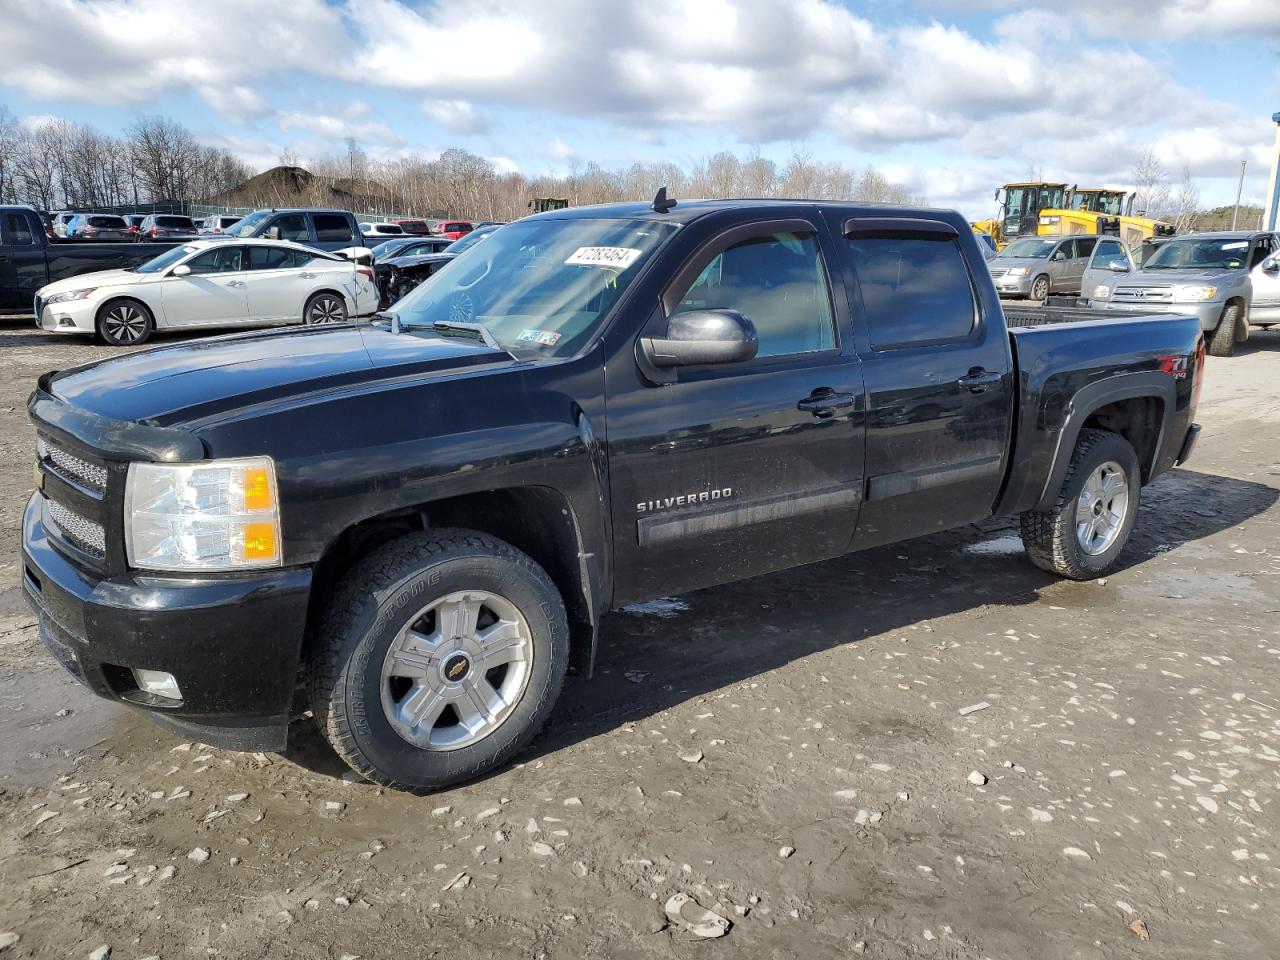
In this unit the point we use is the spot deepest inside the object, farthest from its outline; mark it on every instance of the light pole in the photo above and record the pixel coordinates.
(1273, 191)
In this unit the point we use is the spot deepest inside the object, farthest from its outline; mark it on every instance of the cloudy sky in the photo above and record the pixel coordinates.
(952, 97)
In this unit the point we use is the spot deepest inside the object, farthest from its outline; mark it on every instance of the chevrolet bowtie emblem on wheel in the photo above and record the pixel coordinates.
(457, 667)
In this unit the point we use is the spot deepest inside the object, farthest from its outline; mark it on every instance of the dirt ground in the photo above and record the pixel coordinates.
(790, 751)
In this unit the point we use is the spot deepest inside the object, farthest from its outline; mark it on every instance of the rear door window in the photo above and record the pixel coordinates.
(914, 289)
(331, 227)
(1084, 246)
(277, 258)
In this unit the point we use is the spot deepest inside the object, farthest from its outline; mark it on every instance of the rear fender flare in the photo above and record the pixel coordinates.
(1092, 398)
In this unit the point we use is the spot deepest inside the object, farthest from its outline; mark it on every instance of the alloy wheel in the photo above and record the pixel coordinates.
(124, 323)
(453, 675)
(326, 310)
(1101, 508)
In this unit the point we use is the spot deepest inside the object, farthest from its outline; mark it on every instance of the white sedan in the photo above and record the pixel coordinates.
(209, 283)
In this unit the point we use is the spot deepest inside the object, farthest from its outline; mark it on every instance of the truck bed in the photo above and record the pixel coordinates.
(1031, 315)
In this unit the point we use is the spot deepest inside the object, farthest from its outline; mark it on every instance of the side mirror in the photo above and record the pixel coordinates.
(1271, 264)
(181, 270)
(273, 233)
(1058, 255)
(703, 336)
(1115, 266)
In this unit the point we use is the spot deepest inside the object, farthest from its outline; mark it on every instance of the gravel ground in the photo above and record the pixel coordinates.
(795, 752)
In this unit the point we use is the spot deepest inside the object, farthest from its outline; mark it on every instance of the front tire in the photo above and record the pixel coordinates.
(1222, 342)
(1040, 288)
(325, 308)
(440, 657)
(124, 323)
(1081, 536)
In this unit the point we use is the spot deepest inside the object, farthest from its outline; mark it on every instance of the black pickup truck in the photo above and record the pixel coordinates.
(426, 516)
(29, 259)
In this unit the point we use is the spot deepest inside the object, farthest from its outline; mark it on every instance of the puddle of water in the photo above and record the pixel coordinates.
(1006, 546)
(663, 607)
(36, 745)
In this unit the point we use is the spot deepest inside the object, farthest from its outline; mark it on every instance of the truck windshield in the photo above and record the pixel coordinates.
(539, 287)
(1219, 253)
(246, 227)
(1037, 247)
(165, 260)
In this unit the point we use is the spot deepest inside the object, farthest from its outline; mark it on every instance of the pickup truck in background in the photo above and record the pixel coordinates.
(428, 515)
(323, 229)
(30, 259)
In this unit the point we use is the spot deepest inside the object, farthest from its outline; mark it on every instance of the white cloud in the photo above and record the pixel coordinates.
(456, 116)
(560, 151)
(504, 164)
(340, 128)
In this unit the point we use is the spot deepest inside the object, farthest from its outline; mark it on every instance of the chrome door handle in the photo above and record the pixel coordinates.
(235, 283)
(825, 402)
(307, 276)
(978, 380)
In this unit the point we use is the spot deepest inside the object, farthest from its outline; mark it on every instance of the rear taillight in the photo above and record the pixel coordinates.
(155, 231)
(365, 272)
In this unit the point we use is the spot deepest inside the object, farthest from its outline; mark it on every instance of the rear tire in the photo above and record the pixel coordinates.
(405, 682)
(325, 308)
(124, 323)
(1222, 342)
(1081, 536)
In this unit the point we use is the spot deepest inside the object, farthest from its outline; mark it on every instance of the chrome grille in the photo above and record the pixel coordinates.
(79, 531)
(71, 468)
(997, 274)
(1143, 294)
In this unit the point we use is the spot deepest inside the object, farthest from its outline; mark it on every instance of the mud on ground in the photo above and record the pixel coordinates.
(790, 751)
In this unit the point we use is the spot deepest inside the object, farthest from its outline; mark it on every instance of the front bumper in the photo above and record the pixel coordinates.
(1207, 313)
(232, 642)
(72, 316)
(1008, 286)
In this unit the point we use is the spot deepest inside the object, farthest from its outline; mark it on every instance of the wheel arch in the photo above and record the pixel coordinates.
(114, 299)
(348, 302)
(1140, 407)
(537, 520)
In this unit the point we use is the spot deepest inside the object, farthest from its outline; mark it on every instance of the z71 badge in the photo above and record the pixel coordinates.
(684, 500)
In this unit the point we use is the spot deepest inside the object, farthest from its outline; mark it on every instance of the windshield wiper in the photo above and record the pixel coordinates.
(475, 331)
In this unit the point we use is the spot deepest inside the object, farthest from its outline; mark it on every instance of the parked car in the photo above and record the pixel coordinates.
(218, 223)
(322, 229)
(381, 230)
(1035, 267)
(1110, 257)
(168, 226)
(59, 220)
(987, 244)
(405, 268)
(97, 226)
(410, 246)
(417, 228)
(134, 220)
(208, 284)
(427, 516)
(453, 229)
(29, 258)
(1229, 280)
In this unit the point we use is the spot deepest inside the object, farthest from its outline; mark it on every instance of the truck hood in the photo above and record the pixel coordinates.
(1216, 278)
(102, 278)
(203, 381)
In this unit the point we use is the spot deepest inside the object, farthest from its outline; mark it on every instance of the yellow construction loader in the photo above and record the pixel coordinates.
(1020, 209)
(1098, 210)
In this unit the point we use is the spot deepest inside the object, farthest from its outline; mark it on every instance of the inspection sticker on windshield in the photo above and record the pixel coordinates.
(617, 257)
(546, 338)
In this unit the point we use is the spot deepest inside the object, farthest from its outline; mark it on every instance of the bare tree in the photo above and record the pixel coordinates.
(1151, 182)
(1186, 202)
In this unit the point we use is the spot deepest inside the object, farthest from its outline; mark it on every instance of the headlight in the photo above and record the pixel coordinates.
(215, 515)
(1101, 292)
(70, 295)
(1189, 294)
(1018, 271)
